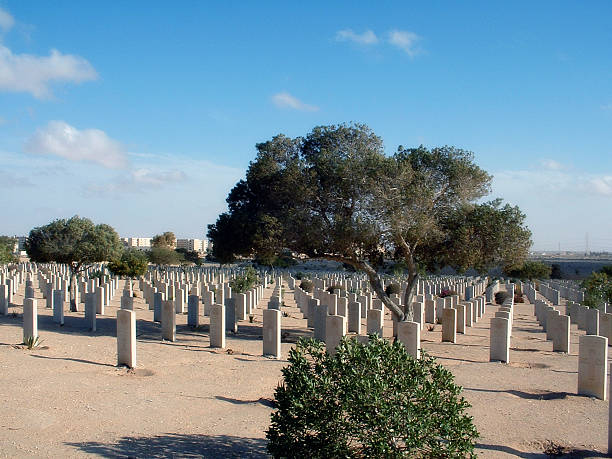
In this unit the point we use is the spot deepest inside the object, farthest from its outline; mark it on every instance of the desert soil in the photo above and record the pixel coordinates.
(68, 398)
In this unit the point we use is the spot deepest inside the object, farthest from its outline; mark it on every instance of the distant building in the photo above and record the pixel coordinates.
(192, 245)
(142, 243)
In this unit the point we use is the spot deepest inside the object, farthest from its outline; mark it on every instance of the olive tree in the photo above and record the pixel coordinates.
(7, 249)
(336, 195)
(132, 263)
(76, 242)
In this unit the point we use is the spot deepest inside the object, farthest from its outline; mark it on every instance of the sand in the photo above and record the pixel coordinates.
(68, 398)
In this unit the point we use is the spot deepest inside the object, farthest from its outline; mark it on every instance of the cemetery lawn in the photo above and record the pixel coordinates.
(67, 398)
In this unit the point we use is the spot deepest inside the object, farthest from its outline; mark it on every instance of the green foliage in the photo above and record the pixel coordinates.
(167, 240)
(164, 256)
(133, 263)
(307, 285)
(244, 282)
(555, 271)
(500, 297)
(76, 242)
(368, 400)
(7, 247)
(393, 289)
(190, 256)
(598, 290)
(31, 342)
(529, 270)
(334, 288)
(607, 270)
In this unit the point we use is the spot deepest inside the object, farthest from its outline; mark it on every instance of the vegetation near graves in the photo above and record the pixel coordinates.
(77, 242)
(334, 288)
(166, 239)
(598, 289)
(244, 282)
(334, 194)
(7, 246)
(164, 256)
(555, 271)
(132, 263)
(500, 297)
(529, 270)
(393, 289)
(368, 400)
(307, 285)
(189, 256)
(447, 292)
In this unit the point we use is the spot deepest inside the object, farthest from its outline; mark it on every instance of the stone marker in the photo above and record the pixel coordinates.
(100, 300)
(354, 317)
(90, 311)
(409, 334)
(418, 310)
(560, 333)
(126, 338)
(320, 321)
(334, 331)
(272, 333)
(592, 321)
(230, 315)
(127, 303)
(168, 321)
(593, 366)
(460, 318)
(217, 326)
(430, 311)
(4, 303)
(499, 347)
(30, 319)
(193, 310)
(58, 307)
(158, 299)
(449, 325)
(375, 322)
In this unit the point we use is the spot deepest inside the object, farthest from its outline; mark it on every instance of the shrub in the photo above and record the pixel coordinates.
(334, 288)
(307, 286)
(367, 400)
(393, 289)
(447, 292)
(244, 282)
(299, 275)
(500, 297)
(518, 298)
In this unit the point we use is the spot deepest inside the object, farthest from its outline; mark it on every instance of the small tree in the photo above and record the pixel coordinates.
(529, 270)
(166, 239)
(164, 256)
(7, 249)
(368, 400)
(244, 282)
(132, 264)
(598, 290)
(77, 242)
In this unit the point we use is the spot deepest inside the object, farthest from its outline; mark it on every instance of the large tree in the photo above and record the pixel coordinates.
(166, 239)
(335, 195)
(77, 242)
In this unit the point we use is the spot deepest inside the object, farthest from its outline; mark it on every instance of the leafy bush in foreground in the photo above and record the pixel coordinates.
(368, 400)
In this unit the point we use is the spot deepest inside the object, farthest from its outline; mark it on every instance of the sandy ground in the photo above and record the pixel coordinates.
(69, 399)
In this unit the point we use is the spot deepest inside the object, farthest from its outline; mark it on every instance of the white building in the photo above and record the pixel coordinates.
(143, 243)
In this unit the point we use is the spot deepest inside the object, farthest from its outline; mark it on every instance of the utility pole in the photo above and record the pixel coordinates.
(587, 252)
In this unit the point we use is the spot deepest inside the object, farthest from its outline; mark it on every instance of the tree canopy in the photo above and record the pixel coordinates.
(7, 247)
(335, 194)
(76, 242)
(164, 256)
(530, 270)
(132, 263)
(166, 239)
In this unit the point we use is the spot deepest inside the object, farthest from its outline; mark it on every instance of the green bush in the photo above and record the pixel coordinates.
(393, 289)
(368, 400)
(307, 285)
(244, 282)
(500, 297)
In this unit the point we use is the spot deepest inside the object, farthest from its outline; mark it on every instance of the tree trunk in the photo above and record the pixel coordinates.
(411, 288)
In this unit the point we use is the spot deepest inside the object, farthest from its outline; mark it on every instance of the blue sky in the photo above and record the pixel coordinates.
(144, 115)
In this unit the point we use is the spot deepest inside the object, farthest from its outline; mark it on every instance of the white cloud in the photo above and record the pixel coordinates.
(34, 74)
(552, 165)
(93, 145)
(602, 185)
(406, 41)
(6, 20)
(286, 100)
(366, 38)
(137, 181)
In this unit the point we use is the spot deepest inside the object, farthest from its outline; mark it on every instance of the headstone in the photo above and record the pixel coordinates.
(30, 319)
(217, 326)
(4, 303)
(499, 348)
(193, 310)
(460, 308)
(126, 338)
(560, 332)
(158, 299)
(58, 307)
(592, 321)
(592, 366)
(230, 315)
(272, 333)
(354, 317)
(409, 334)
(168, 321)
(334, 331)
(449, 325)
(375, 322)
(127, 303)
(90, 311)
